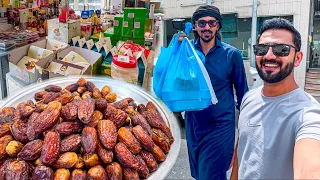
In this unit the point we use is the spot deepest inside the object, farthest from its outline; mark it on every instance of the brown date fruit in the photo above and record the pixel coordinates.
(138, 119)
(38, 162)
(68, 128)
(46, 120)
(53, 88)
(80, 164)
(97, 173)
(6, 115)
(125, 136)
(143, 170)
(72, 87)
(101, 104)
(105, 90)
(149, 160)
(114, 171)
(65, 98)
(51, 96)
(5, 129)
(19, 130)
(13, 148)
(4, 141)
(96, 117)
(82, 82)
(96, 93)
(66, 160)
(62, 174)
(158, 154)
(125, 157)
(90, 86)
(42, 172)
(143, 137)
(85, 110)
(160, 139)
(91, 160)
(18, 170)
(25, 110)
(4, 166)
(111, 97)
(86, 95)
(130, 174)
(74, 94)
(51, 148)
(133, 104)
(40, 95)
(70, 143)
(31, 151)
(107, 132)
(106, 156)
(81, 89)
(77, 98)
(78, 174)
(89, 139)
(141, 108)
(122, 103)
(117, 116)
(69, 112)
(40, 106)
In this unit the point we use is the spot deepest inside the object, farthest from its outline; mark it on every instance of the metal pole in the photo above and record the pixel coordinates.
(253, 32)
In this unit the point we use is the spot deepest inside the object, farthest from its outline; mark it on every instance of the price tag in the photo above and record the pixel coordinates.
(75, 40)
(125, 59)
(130, 15)
(116, 23)
(90, 44)
(125, 24)
(106, 41)
(113, 51)
(98, 45)
(82, 42)
(137, 25)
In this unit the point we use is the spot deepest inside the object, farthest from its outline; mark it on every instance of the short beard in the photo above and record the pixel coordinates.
(207, 40)
(281, 75)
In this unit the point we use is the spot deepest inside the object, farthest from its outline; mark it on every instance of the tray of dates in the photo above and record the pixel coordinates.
(86, 128)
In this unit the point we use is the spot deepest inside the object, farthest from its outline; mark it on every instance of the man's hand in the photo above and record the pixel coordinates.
(182, 35)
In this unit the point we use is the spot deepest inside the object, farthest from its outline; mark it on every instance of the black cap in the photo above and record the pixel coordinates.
(207, 10)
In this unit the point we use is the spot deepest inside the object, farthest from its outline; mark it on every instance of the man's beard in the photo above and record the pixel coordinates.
(274, 78)
(206, 40)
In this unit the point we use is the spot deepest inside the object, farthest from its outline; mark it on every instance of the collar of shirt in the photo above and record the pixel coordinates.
(197, 45)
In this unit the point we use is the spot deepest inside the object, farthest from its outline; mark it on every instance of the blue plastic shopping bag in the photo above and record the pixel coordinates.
(163, 61)
(187, 85)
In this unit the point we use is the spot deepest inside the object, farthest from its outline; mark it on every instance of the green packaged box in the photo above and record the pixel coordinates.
(106, 68)
(117, 25)
(138, 28)
(108, 34)
(139, 41)
(127, 39)
(135, 12)
(115, 40)
(127, 27)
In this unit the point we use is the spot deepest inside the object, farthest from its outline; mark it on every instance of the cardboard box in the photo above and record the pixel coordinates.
(139, 27)
(127, 27)
(117, 25)
(131, 12)
(93, 58)
(23, 75)
(13, 84)
(59, 68)
(63, 32)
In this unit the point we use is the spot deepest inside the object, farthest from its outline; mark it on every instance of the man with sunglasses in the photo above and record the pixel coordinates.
(210, 133)
(279, 123)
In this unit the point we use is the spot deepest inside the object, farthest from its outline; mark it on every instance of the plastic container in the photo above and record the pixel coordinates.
(125, 68)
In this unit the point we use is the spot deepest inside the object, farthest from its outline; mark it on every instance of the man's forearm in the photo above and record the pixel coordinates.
(235, 167)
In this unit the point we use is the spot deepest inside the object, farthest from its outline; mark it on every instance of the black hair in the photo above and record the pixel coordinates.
(280, 23)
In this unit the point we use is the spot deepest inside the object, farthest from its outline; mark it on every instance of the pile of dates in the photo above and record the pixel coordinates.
(80, 132)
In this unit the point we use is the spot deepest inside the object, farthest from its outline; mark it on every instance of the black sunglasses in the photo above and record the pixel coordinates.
(280, 50)
(203, 23)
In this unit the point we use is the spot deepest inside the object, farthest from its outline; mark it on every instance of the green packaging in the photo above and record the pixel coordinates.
(117, 25)
(106, 68)
(139, 27)
(130, 12)
(115, 40)
(127, 27)
(139, 41)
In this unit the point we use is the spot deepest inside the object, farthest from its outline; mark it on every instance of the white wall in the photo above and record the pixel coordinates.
(300, 9)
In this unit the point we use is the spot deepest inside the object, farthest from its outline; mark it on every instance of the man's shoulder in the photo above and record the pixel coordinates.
(229, 47)
(251, 95)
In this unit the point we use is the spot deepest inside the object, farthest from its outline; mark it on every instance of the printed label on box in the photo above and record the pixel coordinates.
(82, 42)
(130, 15)
(90, 44)
(98, 45)
(125, 24)
(113, 51)
(128, 52)
(75, 40)
(116, 23)
(123, 58)
(137, 25)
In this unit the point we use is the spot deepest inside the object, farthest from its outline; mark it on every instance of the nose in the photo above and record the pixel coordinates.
(270, 54)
